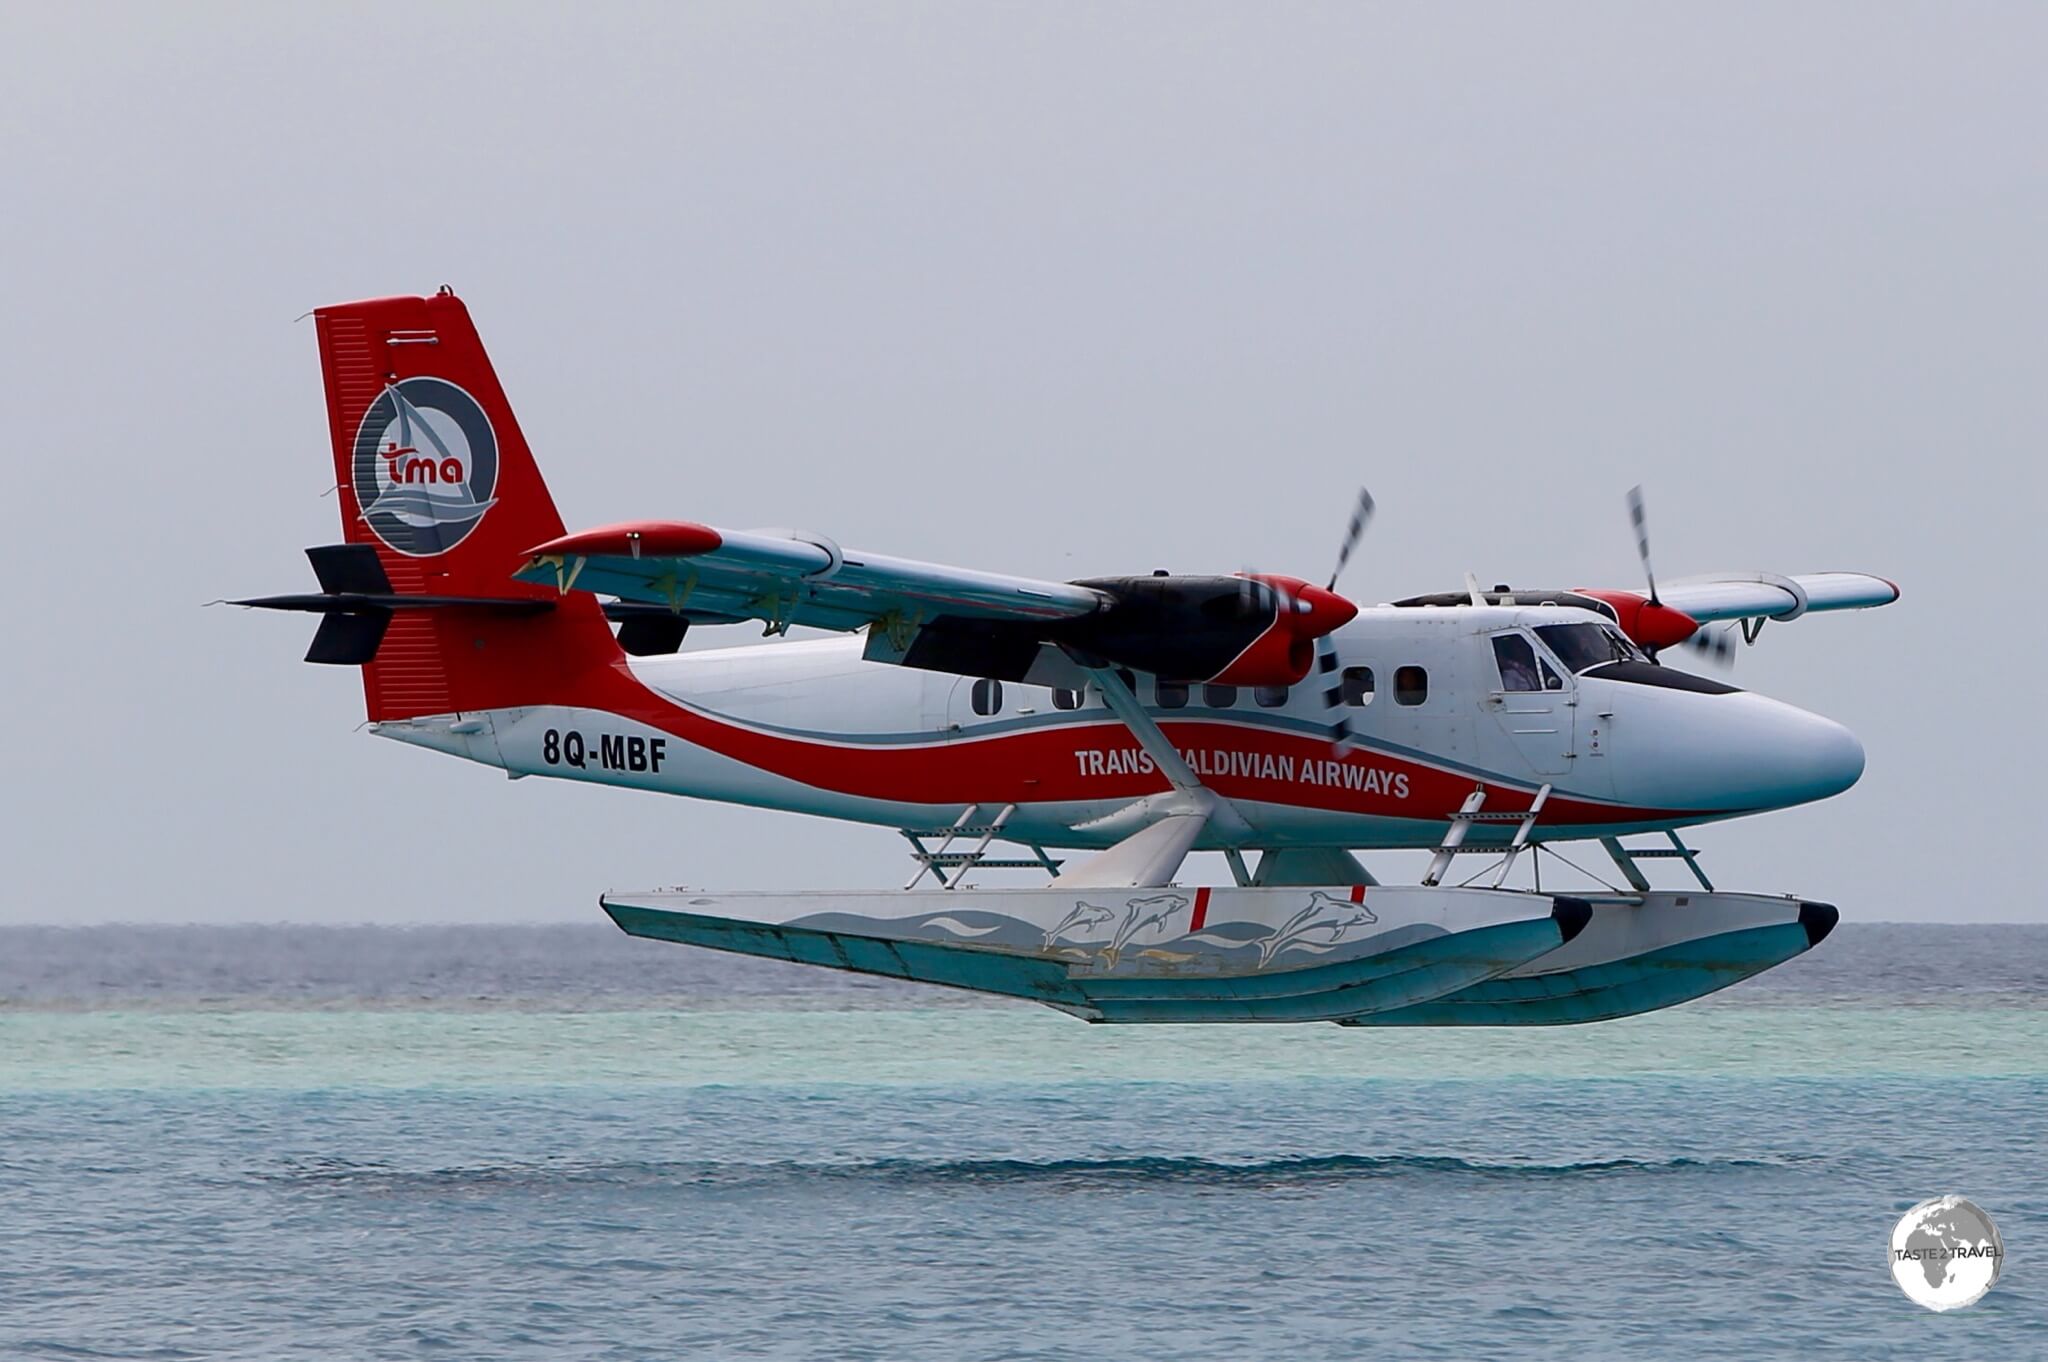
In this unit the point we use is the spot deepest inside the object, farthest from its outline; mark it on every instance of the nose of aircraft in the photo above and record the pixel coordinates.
(1738, 751)
(1818, 758)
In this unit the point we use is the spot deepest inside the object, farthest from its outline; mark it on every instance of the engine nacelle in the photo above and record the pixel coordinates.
(1650, 625)
(1247, 631)
(1647, 625)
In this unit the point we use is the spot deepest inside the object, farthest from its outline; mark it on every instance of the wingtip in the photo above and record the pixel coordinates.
(655, 538)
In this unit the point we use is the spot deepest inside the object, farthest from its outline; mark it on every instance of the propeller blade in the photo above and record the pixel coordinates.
(1716, 645)
(1360, 515)
(1333, 696)
(1640, 520)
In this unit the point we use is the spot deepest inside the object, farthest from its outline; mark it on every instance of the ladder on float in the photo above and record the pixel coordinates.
(1473, 811)
(937, 861)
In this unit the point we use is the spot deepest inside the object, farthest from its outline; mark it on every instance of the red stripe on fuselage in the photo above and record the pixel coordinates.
(1058, 763)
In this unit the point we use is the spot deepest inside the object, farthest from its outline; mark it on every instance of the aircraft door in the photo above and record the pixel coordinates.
(1533, 700)
(972, 701)
(945, 703)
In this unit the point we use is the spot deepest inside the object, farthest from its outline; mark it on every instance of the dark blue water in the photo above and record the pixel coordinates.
(560, 1144)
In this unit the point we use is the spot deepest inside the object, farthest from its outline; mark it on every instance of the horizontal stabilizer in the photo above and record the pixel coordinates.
(653, 635)
(349, 568)
(357, 601)
(349, 640)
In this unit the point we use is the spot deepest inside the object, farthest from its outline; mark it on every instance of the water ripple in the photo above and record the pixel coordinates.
(1088, 1172)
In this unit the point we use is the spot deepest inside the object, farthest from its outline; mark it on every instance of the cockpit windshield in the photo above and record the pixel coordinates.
(1584, 646)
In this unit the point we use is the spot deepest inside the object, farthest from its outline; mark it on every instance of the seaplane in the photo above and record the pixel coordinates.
(1092, 732)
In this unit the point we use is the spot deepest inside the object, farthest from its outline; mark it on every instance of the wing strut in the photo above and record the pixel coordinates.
(1172, 822)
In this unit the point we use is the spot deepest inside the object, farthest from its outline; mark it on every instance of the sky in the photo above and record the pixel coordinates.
(1052, 289)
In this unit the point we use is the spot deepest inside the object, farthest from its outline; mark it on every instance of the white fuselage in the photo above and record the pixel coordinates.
(1435, 706)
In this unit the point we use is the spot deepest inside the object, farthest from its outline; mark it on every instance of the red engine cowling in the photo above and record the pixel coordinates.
(1649, 625)
(1286, 651)
(1222, 629)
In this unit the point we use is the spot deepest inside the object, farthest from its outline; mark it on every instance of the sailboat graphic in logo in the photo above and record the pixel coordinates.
(426, 466)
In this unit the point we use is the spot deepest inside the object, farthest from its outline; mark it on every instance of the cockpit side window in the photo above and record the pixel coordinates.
(1516, 658)
(1580, 646)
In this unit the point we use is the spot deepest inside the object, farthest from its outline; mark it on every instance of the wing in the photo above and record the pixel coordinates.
(783, 578)
(1764, 595)
(1251, 629)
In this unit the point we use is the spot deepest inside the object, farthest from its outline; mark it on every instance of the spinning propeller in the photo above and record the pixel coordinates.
(1326, 651)
(1639, 520)
(1646, 619)
(1717, 645)
(1291, 597)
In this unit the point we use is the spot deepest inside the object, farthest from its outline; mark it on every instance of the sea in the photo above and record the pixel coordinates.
(481, 1142)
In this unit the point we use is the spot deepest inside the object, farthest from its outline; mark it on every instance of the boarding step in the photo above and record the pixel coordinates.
(1473, 811)
(936, 861)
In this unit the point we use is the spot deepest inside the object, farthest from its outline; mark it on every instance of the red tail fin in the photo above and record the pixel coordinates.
(436, 476)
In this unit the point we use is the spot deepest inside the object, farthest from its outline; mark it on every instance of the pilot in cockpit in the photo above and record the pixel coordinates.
(1517, 670)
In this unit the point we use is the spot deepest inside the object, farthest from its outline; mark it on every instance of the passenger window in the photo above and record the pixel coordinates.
(1170, 694)
(1357, 685)
(988, 696)
(1219, 697)
(1129, 678)
(1065, 699)
(1411, 685)
(1516, 658)
(1269, 697)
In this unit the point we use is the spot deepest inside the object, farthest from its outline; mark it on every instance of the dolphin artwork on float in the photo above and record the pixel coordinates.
(1152, 911)
(1083, 916)
(1325, 913)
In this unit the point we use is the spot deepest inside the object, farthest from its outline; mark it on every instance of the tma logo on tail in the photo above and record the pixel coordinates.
(427, 456)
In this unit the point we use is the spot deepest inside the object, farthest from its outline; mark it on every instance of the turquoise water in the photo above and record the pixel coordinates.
(556, 1143)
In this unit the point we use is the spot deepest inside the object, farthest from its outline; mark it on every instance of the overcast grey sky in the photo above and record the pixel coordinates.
(1052, 289)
